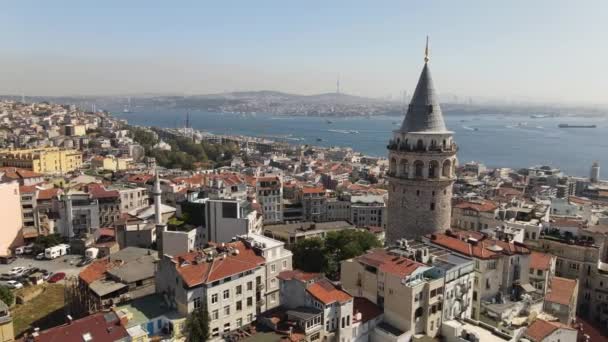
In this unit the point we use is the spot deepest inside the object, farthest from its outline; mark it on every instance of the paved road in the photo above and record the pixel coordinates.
(61, 264)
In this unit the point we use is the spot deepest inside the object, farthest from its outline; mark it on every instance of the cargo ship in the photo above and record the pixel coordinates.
(576, 126)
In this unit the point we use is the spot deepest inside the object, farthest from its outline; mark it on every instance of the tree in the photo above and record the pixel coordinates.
(309, 255)
(197, 325)
(317, 255)
(6, 295)
(45, 241)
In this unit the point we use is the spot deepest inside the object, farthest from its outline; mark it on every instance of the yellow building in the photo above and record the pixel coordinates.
(74, 130)
(42, 160)
(111, 163)
(7, 333)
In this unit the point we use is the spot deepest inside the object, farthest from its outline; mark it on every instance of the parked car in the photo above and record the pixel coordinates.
(56, 277)
(6, 276)
(7, 259)
(20, 250)
(46, 276)
(29, 249)
(16, 271)
(84, 262)
(40, 256)
(12, 284)
(29, 271)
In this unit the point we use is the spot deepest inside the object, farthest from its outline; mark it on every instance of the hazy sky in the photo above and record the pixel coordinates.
(536, 50)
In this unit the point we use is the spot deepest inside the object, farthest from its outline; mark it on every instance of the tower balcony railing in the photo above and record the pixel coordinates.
(392, 145)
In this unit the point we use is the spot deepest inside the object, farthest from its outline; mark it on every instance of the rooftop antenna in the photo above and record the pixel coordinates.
(426, 50)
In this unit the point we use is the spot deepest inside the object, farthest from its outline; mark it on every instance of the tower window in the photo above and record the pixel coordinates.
(433, 193)
(430, 108)
(432, 206)
(417, 192)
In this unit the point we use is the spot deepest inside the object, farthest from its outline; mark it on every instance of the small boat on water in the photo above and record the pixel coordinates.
(319, 139)
(329, 122)
(576, 126)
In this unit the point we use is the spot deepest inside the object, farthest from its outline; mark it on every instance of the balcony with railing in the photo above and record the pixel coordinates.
(403, 147)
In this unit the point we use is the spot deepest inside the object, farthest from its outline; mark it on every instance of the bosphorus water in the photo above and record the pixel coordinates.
(496, 140)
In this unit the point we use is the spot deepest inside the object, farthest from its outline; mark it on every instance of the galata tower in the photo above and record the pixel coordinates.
(422, 160)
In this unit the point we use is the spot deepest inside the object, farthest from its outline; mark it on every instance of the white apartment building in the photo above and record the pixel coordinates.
(368, 211)
(278, 259)
(417, 285)
(269, 193)
(228, 280)
(227, 218)
(235, 281)
(319, 310)
(133, 198)
(501, 268)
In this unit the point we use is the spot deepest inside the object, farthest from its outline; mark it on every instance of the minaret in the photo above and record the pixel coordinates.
(158, 221)
(595, 172)
(157, 192)
(422, 159)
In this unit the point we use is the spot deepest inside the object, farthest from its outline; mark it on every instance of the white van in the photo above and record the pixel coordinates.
(56, 251)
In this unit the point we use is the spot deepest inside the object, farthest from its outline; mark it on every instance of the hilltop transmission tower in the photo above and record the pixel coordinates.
(338, 85)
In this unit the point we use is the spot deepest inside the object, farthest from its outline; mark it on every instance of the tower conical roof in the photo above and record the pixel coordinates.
(423, 113)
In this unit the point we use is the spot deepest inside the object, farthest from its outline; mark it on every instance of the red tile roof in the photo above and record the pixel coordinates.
(462, 247)
(540, 261)
(389, 263)
(298, 275)
(195, 273)
(47, 194)
(98, 191)
(508, 192)
(15, 173)
(102, 326)
(479, 206)
(313, 190)
(27, 189)
(366, 308)
(97, 270)
(567, 223)
(327, 293)
(579, 200)
(194, 180)
(482, 249)
(140, 178)
(561, 290)
(107, 232)
(540, 329)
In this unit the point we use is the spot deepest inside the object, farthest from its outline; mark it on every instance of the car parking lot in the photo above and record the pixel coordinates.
(66, 264)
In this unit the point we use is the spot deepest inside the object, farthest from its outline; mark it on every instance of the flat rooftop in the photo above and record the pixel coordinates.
(269, 242)
(302, 227)
(483, 334)
(146, 308)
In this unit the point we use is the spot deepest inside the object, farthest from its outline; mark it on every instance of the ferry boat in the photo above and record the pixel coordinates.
(576, 126)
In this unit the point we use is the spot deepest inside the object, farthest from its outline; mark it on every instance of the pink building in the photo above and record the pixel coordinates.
(10, 216)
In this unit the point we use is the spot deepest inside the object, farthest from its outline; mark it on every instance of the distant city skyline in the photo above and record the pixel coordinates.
(544, 51)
